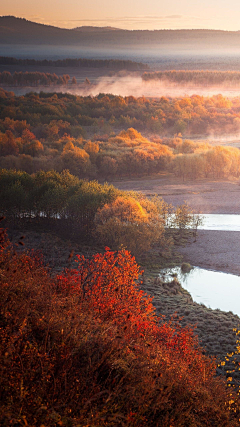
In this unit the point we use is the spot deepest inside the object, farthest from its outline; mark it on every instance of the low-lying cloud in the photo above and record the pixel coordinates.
(133, 85)
(130, 85)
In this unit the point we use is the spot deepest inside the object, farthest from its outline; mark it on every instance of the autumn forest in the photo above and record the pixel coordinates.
(108, 136)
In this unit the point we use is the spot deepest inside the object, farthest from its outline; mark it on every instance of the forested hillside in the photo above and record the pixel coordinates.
(20, 31)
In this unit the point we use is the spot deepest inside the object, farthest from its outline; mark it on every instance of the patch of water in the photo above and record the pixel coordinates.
(214, 289)
(221, 222)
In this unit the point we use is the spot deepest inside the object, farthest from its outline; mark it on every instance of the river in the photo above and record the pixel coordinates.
(221, 222)
(214, 289)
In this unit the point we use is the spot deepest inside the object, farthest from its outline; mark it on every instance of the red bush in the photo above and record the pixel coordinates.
(87, 349)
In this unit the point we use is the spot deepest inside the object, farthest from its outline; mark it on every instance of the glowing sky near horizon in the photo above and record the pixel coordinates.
(133, 14)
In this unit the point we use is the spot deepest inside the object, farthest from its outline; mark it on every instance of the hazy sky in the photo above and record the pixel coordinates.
(129, 14)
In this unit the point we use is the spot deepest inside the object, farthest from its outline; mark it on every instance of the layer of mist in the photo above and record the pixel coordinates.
(132, 85)
(158, 57)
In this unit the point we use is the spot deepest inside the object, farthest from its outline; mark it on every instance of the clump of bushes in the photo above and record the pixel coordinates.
(90, 211)
(186, 267)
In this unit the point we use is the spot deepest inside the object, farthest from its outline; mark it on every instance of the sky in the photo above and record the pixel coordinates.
(129, 14)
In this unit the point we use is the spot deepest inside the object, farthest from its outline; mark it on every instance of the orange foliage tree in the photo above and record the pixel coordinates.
(129, 222)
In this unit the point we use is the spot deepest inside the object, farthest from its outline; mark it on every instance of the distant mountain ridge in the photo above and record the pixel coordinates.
(15, 31)
(90, 29)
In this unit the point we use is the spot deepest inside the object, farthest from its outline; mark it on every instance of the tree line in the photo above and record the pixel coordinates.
(196, 77)
(34, 78)
(91, 211)
(116, 64)
(194, 160)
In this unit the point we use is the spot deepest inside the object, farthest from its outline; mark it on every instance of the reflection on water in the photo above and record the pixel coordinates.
(211, 288)
(221, 222)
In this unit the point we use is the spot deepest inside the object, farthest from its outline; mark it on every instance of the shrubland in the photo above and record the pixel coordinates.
(85, 348)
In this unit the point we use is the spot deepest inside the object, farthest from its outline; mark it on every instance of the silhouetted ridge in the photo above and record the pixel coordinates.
(20, 31)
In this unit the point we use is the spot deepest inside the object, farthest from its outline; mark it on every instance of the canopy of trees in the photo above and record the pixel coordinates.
(59, 131)
(60, 200)
(208, 162)
(105, 113)
(135, 224)
(88, 210)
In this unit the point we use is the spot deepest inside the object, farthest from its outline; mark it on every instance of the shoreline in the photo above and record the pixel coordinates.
(213, 327)
(206, 196)
(214, 250)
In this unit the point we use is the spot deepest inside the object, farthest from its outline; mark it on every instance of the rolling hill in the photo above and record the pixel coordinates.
(20, 31)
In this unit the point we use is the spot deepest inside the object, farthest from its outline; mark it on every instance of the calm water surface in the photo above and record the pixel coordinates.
(211, 288)
(222, 222)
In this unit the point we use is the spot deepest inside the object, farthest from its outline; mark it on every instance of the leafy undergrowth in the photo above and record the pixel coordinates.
(85, 348)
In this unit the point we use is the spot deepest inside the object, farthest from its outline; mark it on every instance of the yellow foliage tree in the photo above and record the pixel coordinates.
(131, 223)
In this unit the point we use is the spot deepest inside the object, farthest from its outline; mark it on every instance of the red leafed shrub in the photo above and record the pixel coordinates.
(87, 349)
(107, 287)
